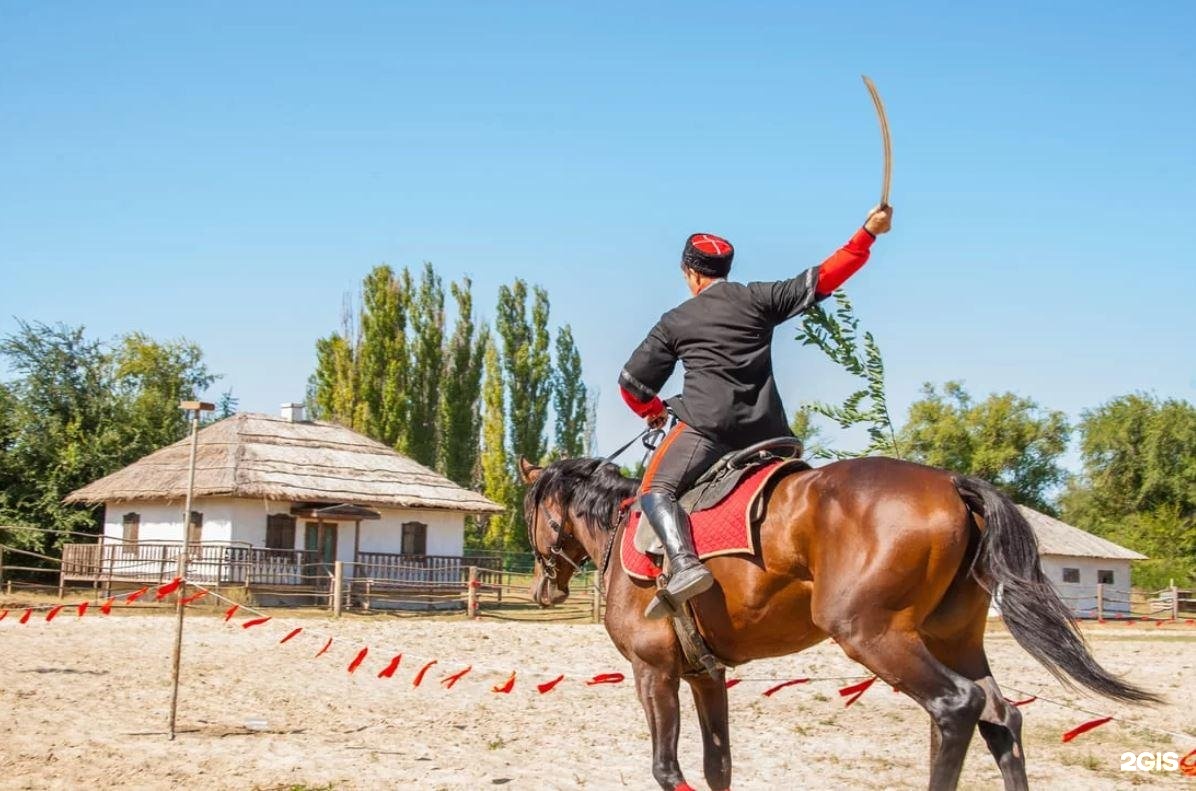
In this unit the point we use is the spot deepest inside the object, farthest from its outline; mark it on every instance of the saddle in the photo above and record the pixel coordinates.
(722, 478)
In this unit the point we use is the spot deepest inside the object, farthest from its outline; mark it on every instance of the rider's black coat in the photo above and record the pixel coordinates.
(723, 338)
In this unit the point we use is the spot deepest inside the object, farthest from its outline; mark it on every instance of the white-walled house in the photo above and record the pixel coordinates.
(1080, 565)
(276, 501)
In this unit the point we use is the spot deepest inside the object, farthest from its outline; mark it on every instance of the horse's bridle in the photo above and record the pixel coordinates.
(556, 550)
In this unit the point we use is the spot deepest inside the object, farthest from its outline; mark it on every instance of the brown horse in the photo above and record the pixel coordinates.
(894, 561)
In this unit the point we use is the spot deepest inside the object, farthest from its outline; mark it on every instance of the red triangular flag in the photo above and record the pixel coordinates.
(768, 693)
(167, 589)
(3, 615)
(107, 608)
(605, 678)
(506, 687)
(357, 660)
(53, 613)
(419, 677)
(856, 690)
(254, 622)
(549, 686)
(390, 669)
(194, 597)
(448, 681)
(323, 650)
(733, 682)
(135, 595)
(290, 635)
(25, 617)
(1076, 731)
(83, 608)
(1025, 702)
(230, 612)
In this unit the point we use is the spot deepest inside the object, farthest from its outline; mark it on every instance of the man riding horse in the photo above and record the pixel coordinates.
(723, 338)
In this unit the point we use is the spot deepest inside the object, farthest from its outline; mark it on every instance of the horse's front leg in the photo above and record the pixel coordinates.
(657, 689)
(710, 697)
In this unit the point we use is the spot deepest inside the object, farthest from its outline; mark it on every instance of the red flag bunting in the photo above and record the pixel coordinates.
(3, 615)
(83, 608)
(506, 687)
(733, 682)
(53, 613)
(291, 634)
(167, 589)
(549, 686)
(768, 693)
(194, 597)
(323, 650)
(419, 677)
(605, 678)
(107, 608)
(448, 681)
(856, 690)
(357, 660)
(135, 595)
(254, 622)
(1076, 731)
(1025, 702)
(27, 615)
(389, 670)
(230, 612)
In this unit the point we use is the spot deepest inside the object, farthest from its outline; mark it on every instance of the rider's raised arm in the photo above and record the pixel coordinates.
(649, 367)
(783, 299)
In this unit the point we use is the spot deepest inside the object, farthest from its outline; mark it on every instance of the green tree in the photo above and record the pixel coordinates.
(425, 369)
(1006, 439)
(460, 413)
(568, 398)
(383, 402)
(527, 368)
(152, 378)
(334, 383)
(1137, 485)
(811, 436)
(497, 469)
(837, 335)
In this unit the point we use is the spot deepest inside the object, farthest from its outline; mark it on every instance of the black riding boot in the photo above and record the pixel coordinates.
(687, 576)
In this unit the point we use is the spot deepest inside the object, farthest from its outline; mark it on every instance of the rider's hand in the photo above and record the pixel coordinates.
(880, 220)
(658, 420)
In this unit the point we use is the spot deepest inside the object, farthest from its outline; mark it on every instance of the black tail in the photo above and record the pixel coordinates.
(1030, 606)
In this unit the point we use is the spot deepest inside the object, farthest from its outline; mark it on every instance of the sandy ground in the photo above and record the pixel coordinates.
(85, 702)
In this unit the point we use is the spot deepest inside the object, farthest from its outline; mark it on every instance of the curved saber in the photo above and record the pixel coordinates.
(884, 136)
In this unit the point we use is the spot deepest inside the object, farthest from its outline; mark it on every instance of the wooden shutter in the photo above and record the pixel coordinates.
(280, 531)
(415, 538)
(195, 529)
(130, 532)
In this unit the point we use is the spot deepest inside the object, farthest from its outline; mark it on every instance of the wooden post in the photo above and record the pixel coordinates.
(1100, 602)
(338, 577)
(597, 604)
(1174, 601)
(471, 606)
(369, 588)
(177, 654)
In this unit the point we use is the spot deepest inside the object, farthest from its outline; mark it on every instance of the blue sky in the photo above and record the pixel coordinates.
(226, 172)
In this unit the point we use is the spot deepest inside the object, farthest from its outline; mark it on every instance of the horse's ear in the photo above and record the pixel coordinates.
(528, 471)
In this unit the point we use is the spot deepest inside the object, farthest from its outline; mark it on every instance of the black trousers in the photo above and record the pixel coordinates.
(683, 455)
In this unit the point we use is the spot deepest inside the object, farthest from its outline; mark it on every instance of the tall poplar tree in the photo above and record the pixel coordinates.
(568, 398)
(459, 420)
(426, 368)
(382, 357)
(498, 481)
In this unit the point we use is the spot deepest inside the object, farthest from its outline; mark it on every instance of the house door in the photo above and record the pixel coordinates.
(324, 545)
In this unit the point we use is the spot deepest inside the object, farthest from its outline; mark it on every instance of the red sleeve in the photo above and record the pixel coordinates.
(844, 262)
(649, 408)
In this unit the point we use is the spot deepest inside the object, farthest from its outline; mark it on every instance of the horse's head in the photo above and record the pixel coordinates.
(550, 531)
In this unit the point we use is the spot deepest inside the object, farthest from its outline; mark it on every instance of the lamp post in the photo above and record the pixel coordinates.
(195, 408)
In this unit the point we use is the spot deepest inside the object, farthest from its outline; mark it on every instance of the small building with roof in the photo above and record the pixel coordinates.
(1084, 568)
(277, 500)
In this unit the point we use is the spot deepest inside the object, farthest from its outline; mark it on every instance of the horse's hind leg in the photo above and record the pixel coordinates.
(901, 659)
(657, 689)
(710, 698)
(1001, 727)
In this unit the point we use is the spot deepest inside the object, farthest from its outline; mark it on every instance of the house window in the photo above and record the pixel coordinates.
(415, 538)
(130, 531)
(1071, 575)
(280, 531)
(1104, 577)
(195, 530)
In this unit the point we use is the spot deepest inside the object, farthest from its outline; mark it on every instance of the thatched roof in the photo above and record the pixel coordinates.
(1060, 538)
(260, 456)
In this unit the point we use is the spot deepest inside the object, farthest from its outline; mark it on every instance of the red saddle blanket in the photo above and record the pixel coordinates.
(724, 529)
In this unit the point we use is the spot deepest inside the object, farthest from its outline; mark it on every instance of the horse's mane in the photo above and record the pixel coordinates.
(592, 488)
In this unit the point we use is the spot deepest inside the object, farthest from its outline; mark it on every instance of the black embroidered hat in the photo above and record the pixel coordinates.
(708, 254)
